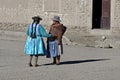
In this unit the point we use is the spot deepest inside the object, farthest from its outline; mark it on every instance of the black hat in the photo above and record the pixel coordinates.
(37, 18)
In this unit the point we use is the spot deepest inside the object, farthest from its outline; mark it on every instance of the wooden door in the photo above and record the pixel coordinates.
(106, 14)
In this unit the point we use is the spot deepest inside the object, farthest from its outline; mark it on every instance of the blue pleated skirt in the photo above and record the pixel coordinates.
(55, 49)
(35, 46)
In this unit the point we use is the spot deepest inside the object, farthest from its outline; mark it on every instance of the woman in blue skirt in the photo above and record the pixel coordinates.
(34, 44)
(54, 46)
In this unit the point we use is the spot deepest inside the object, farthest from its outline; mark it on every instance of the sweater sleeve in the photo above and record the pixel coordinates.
(59, 38)
(43, 32)
(28, 31)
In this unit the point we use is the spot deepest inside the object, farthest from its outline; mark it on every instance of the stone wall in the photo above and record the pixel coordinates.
(15, 15)
(74, 13)
(115, 16)
(17, 27)
(14, 11)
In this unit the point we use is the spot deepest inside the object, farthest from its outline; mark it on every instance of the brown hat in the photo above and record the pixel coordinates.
(37, 18)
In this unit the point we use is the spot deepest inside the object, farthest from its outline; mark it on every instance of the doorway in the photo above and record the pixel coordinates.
(101, 14)
(97, 14)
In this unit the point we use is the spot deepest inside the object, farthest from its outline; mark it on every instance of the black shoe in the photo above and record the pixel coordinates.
(54, 63)
(30, 65)
(36, 65)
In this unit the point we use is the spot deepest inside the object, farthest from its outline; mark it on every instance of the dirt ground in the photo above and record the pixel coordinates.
(77, 63)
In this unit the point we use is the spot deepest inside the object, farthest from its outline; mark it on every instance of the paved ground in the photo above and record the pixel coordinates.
(78, 63)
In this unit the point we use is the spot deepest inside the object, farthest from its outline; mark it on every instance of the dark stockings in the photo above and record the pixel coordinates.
(36, 60)
(56, 60)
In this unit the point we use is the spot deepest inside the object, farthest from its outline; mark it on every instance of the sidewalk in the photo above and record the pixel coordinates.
(77, 63)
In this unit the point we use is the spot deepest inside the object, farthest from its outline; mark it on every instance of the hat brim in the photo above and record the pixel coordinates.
(56, 20)
(36, 18)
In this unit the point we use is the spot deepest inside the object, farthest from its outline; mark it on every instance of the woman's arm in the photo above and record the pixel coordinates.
(59, 37)
(28, 31)
(43, 32)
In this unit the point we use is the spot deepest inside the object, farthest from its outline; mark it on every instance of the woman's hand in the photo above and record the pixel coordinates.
(58, 42)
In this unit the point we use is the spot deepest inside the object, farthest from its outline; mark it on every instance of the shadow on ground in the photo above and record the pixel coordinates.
(78, 61)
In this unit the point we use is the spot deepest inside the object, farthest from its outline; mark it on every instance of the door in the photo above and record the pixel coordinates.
(106, 14)
(101, 14)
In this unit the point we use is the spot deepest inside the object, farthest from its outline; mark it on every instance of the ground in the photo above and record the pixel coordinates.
(77, 63)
